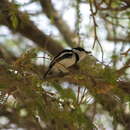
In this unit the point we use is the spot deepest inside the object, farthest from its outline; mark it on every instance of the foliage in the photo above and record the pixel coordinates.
(94, 93)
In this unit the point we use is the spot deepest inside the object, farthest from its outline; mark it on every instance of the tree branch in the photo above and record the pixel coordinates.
(92, 83)
(56, 19)
(122, 70)
(27, 28)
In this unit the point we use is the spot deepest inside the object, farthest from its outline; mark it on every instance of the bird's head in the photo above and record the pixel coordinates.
(82, 53)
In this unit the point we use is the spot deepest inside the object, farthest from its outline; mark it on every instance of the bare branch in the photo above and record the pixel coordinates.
(27, 28)
(56, 19)
(95, 28)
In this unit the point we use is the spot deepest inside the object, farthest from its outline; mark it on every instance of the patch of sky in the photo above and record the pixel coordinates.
(104, 121)
(4, 120)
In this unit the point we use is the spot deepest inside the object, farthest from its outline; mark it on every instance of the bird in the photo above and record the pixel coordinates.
(62, 61)
(66, 59)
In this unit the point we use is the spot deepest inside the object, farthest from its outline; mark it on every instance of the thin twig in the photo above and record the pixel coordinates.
(78, 20)
(43, 57)
(109, 7)
(114, 9)
(123, 69)
(95, 4)
(110, 22)
(78, 94)
(95, 29)
(126, 53)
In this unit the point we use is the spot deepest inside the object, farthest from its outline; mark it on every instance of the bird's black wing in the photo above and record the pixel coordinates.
(63, 54)
(60, 56)
(77, 57)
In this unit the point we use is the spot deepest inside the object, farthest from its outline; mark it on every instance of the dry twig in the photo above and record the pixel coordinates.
(95, 29)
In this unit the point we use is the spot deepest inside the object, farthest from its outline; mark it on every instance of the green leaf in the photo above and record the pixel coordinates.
(109, 75)
(65, 92)
(3, 86)
(82, 119)
(14, 21)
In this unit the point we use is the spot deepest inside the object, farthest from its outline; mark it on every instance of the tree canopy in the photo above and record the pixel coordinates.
(94, 95)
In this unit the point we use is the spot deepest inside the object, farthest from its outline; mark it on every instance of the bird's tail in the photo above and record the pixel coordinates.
(46, 73)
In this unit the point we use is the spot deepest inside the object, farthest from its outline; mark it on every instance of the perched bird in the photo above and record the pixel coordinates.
(66, 59)
(62, 61)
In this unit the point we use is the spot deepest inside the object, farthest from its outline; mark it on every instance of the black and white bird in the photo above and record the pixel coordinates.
(66, 59)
